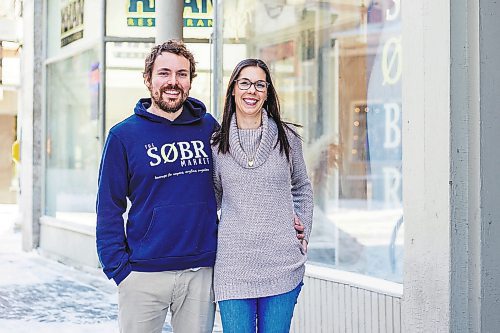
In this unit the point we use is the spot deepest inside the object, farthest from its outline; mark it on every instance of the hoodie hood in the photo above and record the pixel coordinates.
(192, 111)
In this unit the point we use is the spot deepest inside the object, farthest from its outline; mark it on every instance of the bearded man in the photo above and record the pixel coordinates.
(159, 158)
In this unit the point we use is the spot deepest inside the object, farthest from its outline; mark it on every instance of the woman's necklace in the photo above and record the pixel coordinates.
(251, 159)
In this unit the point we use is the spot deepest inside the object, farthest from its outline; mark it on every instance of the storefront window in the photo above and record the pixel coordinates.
(337, 69)
(72, 139)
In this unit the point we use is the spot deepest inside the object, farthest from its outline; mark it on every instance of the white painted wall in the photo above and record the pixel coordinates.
(70, 242)
(334, 301)
(426, 147)
(30, 122)
(489, 162)
(462, 83)
(450, 151)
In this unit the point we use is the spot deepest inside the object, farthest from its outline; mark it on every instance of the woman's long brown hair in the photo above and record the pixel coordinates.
(272, 105)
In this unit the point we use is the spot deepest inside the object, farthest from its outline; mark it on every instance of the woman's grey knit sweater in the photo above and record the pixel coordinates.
(258, 253)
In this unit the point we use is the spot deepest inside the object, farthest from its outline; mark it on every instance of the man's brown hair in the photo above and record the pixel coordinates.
(171, 46)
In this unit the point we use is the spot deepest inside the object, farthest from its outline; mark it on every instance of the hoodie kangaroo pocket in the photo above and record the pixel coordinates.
(175, 231)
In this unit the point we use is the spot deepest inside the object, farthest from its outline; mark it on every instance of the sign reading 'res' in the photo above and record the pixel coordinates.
(197, 13)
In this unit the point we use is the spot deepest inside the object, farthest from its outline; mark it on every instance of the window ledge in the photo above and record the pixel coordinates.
(355, 280)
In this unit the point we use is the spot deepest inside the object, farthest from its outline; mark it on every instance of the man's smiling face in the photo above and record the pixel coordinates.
(170, 82)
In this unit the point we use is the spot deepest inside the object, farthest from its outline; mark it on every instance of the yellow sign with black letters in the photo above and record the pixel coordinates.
(197, 13)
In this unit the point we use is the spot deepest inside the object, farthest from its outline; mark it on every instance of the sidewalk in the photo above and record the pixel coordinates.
(41, 295)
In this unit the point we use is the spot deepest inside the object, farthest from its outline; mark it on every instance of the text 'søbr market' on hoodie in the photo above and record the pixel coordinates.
(165, 169)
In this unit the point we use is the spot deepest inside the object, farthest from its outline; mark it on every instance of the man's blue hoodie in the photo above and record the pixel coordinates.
(165, 169)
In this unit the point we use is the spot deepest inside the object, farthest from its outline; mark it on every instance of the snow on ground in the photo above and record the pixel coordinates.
(41, 295)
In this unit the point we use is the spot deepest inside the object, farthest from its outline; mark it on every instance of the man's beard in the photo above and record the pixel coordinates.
(169, 106)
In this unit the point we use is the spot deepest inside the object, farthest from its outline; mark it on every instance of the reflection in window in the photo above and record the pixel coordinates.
(72, 149)
(337, 69)
(124, 81)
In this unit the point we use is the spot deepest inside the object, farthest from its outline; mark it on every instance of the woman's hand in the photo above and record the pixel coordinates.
(299, 228)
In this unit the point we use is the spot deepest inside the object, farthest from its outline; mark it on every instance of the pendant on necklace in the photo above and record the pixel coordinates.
(250, 163)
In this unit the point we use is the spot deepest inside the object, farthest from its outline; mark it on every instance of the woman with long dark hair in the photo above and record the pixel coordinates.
(261, 182)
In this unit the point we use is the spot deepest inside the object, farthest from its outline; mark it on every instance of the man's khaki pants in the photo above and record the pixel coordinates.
(145, 297)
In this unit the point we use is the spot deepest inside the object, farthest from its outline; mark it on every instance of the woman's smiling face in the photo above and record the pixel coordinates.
(249, 102)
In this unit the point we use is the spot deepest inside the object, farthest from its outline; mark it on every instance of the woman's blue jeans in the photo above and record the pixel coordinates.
(272, 314)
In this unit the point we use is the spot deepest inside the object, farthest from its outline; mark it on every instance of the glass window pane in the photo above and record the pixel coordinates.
(337, 69)
(72, 149)
(124, 82)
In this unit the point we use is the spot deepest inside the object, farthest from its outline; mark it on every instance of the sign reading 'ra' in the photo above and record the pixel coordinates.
(197, 13)
(71, 21)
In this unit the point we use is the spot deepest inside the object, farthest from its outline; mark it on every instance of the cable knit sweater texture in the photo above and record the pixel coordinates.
(258, 254)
